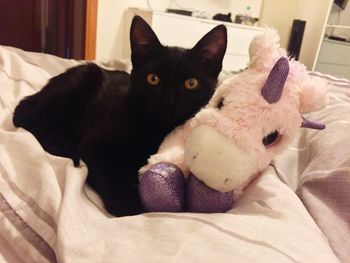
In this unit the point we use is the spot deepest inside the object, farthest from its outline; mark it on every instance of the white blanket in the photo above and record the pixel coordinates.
(46, 214)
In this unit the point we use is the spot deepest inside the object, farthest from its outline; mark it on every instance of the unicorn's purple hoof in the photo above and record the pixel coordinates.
(202, 199)
(162, 188)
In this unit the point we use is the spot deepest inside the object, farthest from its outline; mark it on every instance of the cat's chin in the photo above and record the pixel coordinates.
(169, 120)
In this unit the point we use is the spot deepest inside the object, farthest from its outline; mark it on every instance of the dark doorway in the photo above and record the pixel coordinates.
(20, 24)
(56, 27)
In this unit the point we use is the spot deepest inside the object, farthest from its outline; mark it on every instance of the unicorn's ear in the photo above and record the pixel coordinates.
(313, 94)
(264, 50)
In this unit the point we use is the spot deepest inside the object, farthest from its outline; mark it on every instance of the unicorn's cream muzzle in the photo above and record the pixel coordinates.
(208, 153)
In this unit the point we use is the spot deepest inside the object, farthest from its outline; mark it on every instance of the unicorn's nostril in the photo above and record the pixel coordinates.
(220, 103)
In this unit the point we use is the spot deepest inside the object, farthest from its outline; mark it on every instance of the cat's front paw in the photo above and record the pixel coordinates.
(202, 199)
(162, 188)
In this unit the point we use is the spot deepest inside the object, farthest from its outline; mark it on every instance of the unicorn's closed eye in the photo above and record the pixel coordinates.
(251, 118)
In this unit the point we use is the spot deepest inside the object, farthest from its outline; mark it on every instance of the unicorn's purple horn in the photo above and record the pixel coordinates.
(272, 90)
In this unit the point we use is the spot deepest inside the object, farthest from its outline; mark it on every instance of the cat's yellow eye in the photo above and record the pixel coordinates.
(191, 83)
(153, 79)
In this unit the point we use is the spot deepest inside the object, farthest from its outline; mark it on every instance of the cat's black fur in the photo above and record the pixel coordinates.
(114, 121)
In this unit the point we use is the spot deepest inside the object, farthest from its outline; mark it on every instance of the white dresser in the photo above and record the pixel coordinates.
(334, 58)
(185, 31)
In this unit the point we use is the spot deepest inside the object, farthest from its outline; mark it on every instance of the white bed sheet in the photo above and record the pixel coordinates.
(46, 214)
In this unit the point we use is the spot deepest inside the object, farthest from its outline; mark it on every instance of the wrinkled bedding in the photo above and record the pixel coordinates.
(296, 211)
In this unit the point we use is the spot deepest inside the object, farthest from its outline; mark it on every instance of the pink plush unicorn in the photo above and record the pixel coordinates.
(204, 165)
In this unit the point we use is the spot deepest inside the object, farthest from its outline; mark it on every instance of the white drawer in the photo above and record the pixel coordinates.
(335, 52)
(239, 40)
(179, 30)
(333, 69)
(235, 62)
(186, 31)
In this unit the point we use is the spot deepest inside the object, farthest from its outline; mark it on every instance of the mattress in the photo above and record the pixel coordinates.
(296, 211)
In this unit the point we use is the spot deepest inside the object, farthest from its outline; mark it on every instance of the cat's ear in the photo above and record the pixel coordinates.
(144, 42)
(211, 48)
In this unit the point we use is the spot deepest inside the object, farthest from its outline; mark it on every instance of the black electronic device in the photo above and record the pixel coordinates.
(341, 3)
(296, 38)
(180, 12)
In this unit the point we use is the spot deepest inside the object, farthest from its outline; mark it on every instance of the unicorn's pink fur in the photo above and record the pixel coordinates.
(246, 117)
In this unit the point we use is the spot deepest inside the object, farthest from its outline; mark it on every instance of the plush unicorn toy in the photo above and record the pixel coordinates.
(204, 165)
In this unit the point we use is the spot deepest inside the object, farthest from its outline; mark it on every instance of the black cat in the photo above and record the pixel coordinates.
(114, 121)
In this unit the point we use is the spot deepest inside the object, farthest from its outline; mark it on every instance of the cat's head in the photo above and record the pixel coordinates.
(170, 84)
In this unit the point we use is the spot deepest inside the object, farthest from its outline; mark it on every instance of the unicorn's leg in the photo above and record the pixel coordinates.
(202, 199)
(162, 188)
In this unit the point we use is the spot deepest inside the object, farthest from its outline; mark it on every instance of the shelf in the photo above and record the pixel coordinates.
(338, 26)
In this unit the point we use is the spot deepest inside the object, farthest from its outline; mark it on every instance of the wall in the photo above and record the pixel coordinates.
(315, 28)
(280, 14)
(111, 26)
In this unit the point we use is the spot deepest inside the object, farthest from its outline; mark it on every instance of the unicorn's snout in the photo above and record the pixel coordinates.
(208, 153)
